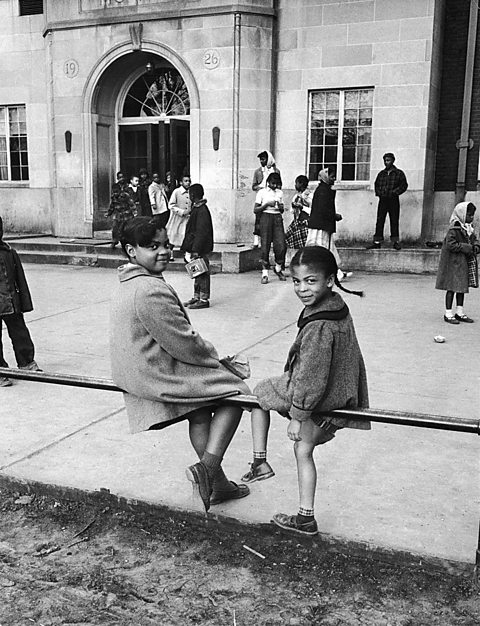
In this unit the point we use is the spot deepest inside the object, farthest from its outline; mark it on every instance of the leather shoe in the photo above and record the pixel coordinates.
(374, 246)
(451, 320)
(397, 246)
(464, 318)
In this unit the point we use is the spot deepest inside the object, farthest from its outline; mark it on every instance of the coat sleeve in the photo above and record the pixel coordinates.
(257, 179)
(311, 370)
(452, 243)
(151, 195)
(22, 285)
(402, 184)
(377, 185)
(202, 234)
(162, 317)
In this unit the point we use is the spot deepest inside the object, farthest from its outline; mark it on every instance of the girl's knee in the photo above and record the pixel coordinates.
(303, 449)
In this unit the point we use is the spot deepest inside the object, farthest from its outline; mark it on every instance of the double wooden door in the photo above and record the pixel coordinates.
(159, 147)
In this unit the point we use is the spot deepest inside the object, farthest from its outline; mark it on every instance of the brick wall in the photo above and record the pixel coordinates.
(451, 100)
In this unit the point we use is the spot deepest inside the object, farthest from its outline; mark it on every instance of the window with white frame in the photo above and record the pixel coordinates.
(13, 143)
(340, 133)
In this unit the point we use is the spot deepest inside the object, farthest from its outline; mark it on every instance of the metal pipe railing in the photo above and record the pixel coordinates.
(399, 418)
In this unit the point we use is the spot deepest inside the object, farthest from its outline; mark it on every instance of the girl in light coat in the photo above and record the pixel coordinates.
(167, 371)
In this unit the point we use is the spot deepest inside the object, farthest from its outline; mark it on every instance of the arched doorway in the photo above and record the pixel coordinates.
(140, 114)
(154, 125)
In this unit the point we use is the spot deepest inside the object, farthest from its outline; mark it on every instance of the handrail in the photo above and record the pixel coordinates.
(399, 418)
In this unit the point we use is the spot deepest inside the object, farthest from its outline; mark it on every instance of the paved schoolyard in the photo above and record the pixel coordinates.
(396, 487)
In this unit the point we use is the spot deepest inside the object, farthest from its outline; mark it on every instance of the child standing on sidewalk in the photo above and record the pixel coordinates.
(324, 371)
(297, 232)
(198, 243)
(179, 206)
(269, 204)
(458, 267)
(15, 300)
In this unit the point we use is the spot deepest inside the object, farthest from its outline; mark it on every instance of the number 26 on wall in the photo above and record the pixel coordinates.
(211, 59)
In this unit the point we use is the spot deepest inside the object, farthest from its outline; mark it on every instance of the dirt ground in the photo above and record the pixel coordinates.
(64, 562)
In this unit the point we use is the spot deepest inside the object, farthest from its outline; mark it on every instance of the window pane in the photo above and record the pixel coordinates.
(351, 99)
(13, 114)
(316, 155)
(16, 173)
(14, 144)
(316, 136)
(331, 136)
(15, 158)
(318, 119)
(3, 172)
(363, 154)
(24, 171)
(365, 117)
(363, 171)
(349, 155)
(330, 154)
(3, 144)
(350, 117)
(318, 101)
(366, 98)
(332, 99)
(313, 171)
(23, 158)
(331, 118)
(364, 136)
(23, 143)
(348, 172)
(349, 136)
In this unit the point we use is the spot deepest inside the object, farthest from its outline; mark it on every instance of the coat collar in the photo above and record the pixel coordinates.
(130, 270)
(332, 307)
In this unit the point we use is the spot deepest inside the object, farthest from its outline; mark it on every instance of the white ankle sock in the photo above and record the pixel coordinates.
(278, 268)
(265, 273)
(460, 310)
(449, 313)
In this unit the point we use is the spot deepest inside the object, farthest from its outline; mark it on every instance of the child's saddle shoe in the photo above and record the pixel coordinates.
(235, 493)
(450, 320)
(291, 523)
(31, 367)
(200, 304)
(260, 472)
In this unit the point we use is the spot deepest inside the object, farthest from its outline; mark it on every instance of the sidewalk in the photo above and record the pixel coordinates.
(396, 487)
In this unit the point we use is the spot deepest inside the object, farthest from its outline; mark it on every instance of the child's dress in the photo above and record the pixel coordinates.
(324, 369)
(459, 248)
(297, 232)
(179, 206)
(165, 367)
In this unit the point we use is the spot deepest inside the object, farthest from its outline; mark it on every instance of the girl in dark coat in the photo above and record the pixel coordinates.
(324, 371)
(323, 217)
(460, 247)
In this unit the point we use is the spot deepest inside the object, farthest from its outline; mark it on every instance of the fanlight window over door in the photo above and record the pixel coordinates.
(161, 93)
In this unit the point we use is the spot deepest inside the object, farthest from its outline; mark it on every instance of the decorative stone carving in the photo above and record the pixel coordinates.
(136, 35)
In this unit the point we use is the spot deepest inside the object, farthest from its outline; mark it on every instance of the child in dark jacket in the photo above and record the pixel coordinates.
(198, 243)
(15, 300)
(324, 371)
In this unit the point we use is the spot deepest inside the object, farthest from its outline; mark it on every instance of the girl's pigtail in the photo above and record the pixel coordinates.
(361, 294)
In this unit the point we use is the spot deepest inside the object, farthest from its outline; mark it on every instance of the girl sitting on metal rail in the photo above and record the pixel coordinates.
(168, 372)
(324, 371)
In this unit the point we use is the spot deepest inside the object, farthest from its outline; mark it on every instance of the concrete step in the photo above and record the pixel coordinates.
(405, 261)
(109, 260)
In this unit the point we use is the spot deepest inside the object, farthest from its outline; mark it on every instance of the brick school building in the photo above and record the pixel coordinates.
(89, 87)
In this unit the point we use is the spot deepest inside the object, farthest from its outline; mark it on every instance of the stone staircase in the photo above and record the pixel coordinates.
(227, 258)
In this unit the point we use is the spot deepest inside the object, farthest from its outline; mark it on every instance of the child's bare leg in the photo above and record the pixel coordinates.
(259, 468)
(304, 522)
(306, 469)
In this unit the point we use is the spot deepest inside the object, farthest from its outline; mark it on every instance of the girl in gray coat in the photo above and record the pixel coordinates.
(168, 372)
(458, 269)
(324, 371)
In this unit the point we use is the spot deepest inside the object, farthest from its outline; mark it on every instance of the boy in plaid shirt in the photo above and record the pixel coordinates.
(389, 186)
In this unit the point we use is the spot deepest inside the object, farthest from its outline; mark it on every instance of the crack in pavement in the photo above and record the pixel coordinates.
(60, 439)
